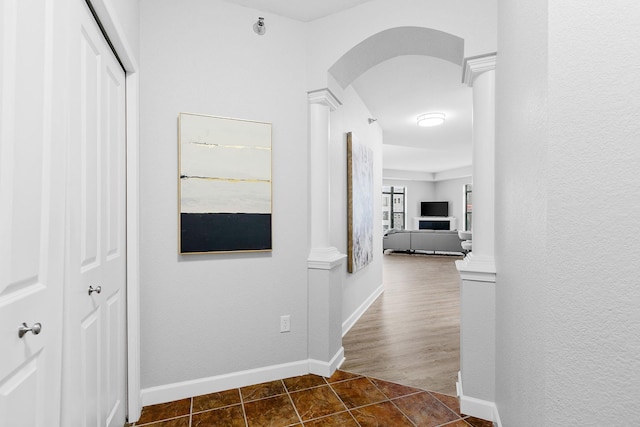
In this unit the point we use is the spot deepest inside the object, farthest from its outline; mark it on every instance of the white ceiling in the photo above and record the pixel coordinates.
(301, 10)
(396, 92)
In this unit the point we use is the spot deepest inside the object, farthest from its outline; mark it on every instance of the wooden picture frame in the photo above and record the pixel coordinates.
(359, 204)
(225, 201)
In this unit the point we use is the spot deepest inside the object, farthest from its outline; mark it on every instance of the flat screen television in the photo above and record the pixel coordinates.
(434, 208)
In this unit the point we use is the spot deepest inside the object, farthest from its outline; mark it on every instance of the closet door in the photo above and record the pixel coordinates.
(95, 293)
(32, 194)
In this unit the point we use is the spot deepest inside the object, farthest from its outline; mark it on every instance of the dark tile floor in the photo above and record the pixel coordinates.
(344, 400)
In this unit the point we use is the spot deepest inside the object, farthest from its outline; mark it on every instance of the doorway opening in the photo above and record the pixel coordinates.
(405, 276)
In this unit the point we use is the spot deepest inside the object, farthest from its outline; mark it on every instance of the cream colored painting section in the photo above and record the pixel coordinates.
(225, 165)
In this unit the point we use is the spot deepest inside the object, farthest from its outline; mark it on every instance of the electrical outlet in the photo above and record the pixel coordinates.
(285, 323)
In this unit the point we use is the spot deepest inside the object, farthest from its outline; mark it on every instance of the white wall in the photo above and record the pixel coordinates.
(521, 182)
(121, 21)
(207, 315)
(452, 190)
(127, 14)
(352, 117)
(567, 155)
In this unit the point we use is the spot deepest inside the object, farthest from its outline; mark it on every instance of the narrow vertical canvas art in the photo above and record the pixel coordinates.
(225, 184)
(360, 204)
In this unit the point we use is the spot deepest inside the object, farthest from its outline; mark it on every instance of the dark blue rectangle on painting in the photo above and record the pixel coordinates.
(224, 232)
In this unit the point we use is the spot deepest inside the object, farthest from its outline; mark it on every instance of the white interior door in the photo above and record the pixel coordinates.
(95, 321)
(32, 155)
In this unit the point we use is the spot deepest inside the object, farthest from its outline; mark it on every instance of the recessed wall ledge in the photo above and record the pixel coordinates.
(477, 268)
(325, 258)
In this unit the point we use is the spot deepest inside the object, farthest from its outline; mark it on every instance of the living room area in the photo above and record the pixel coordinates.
(427, 216)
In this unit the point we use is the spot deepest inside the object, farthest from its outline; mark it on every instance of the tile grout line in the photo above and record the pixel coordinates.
(150, 423)
(446, 406)
(449, 409)
(451, 423)
(402, 412)
(418, 391)
(348, 411)
(340, 399)
(244, 412)
(391, 401)
(286, 390)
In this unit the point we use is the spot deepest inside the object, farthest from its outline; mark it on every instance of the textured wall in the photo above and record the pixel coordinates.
(594, 186)
(521, 223)
(568, 324)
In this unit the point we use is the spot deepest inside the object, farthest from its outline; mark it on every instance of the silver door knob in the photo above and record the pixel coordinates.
(35, 329)
(97, 289)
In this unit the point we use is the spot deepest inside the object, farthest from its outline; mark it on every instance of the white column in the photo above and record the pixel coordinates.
(325, 279)
(322, 102)
(476, 385)
(479, 73)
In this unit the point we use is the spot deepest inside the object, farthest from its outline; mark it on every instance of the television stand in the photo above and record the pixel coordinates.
(435, 223)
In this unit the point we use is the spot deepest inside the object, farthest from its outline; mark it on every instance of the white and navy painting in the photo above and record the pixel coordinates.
(225, 184)
(360, 206)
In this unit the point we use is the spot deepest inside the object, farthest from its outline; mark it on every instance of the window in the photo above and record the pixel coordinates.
(393, 208)
(468, 206)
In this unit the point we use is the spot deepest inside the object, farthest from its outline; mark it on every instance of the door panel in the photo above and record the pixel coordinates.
(17, 388)
(32, 147)
(96, 327)
(114, 381)
(90, 368)
(89, 145)
(43, 126)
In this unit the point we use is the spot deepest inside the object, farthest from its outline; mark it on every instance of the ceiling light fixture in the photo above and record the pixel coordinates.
(430, 119)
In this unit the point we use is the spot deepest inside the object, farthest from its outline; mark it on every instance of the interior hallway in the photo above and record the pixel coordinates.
(411, 333)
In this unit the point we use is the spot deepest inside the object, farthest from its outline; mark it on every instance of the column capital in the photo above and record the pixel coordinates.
(476, 65)
(324, 97)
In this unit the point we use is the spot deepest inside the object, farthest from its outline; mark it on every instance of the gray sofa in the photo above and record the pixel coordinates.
(422, 240)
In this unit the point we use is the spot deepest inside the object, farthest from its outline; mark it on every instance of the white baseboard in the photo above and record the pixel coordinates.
(496, 418)
(184, 389)
(348, 324)
(326, 369)
(181, 390)
(477, 407)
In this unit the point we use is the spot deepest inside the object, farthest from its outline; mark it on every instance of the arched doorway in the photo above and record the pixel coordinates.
(390, 54)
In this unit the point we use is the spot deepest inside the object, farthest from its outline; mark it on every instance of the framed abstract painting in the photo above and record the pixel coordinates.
(225, 184)
(360, 204)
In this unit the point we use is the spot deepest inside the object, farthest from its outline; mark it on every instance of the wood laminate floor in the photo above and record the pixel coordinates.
(411, 333)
